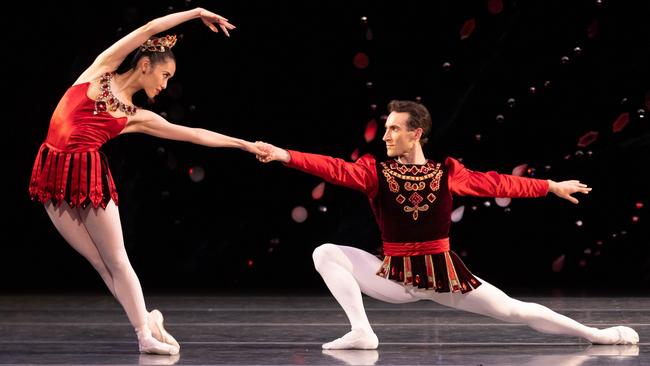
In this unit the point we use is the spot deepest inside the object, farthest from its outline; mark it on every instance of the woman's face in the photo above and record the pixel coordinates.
(156, 76)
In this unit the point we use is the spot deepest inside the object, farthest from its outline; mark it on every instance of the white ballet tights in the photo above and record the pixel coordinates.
(349, 271)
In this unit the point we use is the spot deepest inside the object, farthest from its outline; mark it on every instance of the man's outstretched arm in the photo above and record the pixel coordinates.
(466, 182)
(360, 175)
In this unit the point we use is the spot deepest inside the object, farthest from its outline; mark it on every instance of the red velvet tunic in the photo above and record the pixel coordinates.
(69, 165)
(412, 204)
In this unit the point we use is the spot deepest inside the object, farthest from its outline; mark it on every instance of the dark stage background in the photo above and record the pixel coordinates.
(511, 85)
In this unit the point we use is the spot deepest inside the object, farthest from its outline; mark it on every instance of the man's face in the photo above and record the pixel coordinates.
(399, 140)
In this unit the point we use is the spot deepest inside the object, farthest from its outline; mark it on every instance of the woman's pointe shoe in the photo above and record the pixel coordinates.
(152, 345)
(155, 323)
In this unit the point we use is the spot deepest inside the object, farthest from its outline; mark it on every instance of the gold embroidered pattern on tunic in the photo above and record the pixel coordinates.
(392, 184)
(413, 183)
(414, 187)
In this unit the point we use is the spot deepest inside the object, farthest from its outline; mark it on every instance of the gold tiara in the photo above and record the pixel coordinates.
(160, 44)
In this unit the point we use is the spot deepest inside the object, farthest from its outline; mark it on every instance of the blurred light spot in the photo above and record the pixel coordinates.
(579, 223)
(621, 122)
(467, 28)
(371, 130)
(495, 6)
(587, 139)
(317, 192)
(355, 155)
(322, 209)
(299, 214)
(503, 201)
(582, 263)
(457, 214)
(361, 60)
(197, 174)
(558, 263)
(519, 170)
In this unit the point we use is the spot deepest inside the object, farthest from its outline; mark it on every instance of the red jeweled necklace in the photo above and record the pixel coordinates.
(106, 100)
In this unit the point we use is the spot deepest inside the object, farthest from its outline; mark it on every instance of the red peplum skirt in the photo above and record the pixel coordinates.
(427, 265)
(79, 178)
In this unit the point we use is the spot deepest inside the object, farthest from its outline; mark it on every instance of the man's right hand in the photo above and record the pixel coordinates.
(271, 153)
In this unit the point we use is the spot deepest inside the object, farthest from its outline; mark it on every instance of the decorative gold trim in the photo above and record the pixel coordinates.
(416, 210)
(414, 186)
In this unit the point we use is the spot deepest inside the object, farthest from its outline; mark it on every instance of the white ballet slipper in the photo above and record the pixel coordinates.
(355, 339)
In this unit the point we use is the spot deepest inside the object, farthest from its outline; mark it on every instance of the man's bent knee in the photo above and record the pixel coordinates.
(323, 254)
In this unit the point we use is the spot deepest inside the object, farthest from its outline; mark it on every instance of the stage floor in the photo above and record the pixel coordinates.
(289, 330)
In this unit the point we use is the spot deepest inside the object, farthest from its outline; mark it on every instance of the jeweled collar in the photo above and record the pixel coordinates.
(107, 101)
